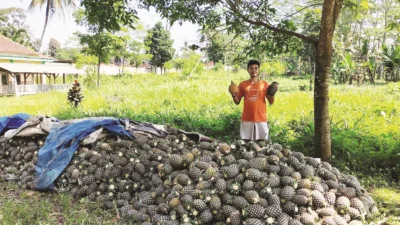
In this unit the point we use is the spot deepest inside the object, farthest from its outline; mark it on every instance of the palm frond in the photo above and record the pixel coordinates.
(36, 4)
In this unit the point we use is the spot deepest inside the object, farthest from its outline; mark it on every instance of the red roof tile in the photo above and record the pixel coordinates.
(9, 47)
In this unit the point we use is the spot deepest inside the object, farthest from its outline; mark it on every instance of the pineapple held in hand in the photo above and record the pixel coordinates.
(272, 88)
(233, 88)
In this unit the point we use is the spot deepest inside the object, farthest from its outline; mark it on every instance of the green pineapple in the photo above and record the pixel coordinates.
(253, 174)
(239, 202)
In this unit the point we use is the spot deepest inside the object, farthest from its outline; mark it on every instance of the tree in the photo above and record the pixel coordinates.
(103, 18)
(266, 27)
(221, 46)
(12, 25)
(54, 47)
(215, 50)
(130, 47)
(160, 45)
(52, 7)
(138, 54)
(35, 44)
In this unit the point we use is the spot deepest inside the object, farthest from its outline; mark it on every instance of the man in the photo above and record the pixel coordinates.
(254, 91)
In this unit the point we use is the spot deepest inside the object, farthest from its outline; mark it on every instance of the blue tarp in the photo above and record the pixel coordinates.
(62, 143)
(12, 122)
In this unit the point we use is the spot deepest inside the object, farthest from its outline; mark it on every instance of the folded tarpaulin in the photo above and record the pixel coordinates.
(12, 122)
(62, 143)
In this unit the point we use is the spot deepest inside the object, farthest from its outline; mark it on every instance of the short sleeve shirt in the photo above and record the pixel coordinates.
(254, 96)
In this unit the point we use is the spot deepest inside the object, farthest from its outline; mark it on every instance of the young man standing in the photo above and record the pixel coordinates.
(254, 91)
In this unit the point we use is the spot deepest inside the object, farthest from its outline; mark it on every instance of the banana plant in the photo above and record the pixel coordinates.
(348, 66)
(391, 60)
(371, 68)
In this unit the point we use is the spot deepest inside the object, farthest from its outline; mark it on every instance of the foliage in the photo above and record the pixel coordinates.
(85, 60)
(103, 18)
(215, 51)
(54, 47)
(137, 53)
(48, 208)
(68, 53)
(221, 46)
(159, 45)
(12, 25)
(108, 15)
(391, 55)
(218, 67)
(273, 68)
(169, 65)
(100, 45)
(88, 63)
(176, 63)
(236, 68)
(191, 63)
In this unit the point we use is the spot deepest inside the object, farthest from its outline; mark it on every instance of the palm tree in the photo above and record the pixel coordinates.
(52, 7)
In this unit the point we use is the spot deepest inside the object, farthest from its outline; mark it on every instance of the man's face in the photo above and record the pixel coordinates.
(253, 70)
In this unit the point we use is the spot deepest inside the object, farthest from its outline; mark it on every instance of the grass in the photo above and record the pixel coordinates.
(365, 125)
(31, 207)
(388, 200)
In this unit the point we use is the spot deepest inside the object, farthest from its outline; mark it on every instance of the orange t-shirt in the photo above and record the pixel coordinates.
(255, 107)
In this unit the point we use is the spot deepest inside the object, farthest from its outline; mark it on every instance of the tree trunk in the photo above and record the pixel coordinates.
(45, 23)
(299, 66)
(330, 13)
(98, 72)
(371, 76)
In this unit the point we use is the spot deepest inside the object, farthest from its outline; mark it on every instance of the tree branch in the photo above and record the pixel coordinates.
(279, 30)
(288, 16)
(214, 34)
(270, 27)
(336, 11)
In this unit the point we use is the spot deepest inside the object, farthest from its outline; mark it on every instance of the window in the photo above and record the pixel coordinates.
(4, 80)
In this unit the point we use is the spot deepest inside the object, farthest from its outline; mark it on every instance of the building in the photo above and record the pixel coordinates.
(24, 71)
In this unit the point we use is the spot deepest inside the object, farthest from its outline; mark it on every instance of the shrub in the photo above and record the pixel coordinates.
(218, 67)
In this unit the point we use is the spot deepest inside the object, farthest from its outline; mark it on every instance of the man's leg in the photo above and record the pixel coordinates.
(246, 131)
(261, 131)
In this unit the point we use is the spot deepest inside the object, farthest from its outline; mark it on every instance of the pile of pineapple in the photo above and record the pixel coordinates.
(174, 180)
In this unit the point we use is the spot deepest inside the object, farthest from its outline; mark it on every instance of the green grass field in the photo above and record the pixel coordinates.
(365, 125)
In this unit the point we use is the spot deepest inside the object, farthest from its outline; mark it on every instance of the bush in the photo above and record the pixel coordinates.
(236, 68)
(274, 68)
(218, 67)
(190, 63)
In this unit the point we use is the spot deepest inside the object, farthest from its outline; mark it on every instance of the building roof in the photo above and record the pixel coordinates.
(40, 68)
(9, 47)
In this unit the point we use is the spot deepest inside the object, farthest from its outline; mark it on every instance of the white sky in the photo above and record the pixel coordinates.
(61, 29)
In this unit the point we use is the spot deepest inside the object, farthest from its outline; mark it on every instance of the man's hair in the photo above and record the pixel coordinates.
(253, 62)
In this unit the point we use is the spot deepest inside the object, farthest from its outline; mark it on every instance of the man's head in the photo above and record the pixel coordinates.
(253, 67)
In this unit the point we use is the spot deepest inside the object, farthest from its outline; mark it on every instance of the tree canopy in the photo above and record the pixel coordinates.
(103, 18)
(159, 45)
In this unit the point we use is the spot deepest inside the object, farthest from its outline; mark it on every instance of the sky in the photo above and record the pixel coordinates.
(61, 29)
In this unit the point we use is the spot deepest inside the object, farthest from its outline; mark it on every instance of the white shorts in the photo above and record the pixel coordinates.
(254, 131)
